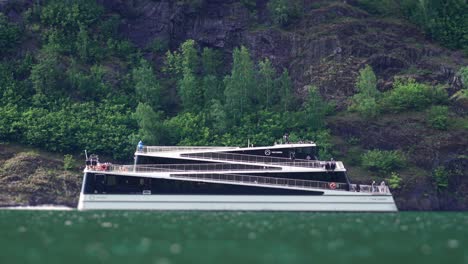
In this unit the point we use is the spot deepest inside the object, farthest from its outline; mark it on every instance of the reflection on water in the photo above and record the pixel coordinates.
(231, 237)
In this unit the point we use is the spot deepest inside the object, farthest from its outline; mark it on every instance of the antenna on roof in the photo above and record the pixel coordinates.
(86, 154)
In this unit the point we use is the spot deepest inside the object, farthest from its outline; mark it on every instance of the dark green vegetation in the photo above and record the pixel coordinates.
(445, 21)
(229, 237)
(68, 98)
(358, 78)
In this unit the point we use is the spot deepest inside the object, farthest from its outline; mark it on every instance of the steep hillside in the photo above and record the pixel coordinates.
(32, 178)
(126, 70)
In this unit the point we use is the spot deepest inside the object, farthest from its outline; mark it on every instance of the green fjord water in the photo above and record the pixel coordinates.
(231, 237)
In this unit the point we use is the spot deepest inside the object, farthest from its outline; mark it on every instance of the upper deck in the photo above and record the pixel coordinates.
(164, 150)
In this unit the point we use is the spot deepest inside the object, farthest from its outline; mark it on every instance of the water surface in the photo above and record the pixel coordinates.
(231, 237)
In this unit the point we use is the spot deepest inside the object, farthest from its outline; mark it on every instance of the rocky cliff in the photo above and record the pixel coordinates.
(326, 47)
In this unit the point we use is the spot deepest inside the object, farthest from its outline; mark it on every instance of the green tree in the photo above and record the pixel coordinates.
(85, 85)
(83, 44)
(445, 21)
(188, 129)
(217, 117)
(173, 64)
(190, 58)
(183, 65)
(441, 177)
(394, 181)
(240, 85)
(365, 100)
(213, 89)
(266, 75)
(68, 162)
(10, 35)
(10, 118)
(211, 62)
(366, 83)
(71, 15)
(46, 74)
(316, 109)
(211, 84)
(190, 92)
(438, 117)
(285, 91)
(147, 87)
(383, 161)
(285, 12)
(151, 130)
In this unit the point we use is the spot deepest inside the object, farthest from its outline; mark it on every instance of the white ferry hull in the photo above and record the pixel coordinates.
(342, 203)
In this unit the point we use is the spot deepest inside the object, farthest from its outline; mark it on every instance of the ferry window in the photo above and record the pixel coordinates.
(131, 181)
(111, 181)
(100, 178)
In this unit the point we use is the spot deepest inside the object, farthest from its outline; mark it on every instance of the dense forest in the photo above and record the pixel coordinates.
(72, 78)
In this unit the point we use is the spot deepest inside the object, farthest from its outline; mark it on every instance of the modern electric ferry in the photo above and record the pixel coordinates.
(282, 177)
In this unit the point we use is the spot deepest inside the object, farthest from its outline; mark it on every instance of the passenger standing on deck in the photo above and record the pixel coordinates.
(140, 145)
(382, 187)
(373, 186)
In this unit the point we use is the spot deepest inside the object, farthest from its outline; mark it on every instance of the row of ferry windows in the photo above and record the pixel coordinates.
(112, 180)
(110, 184)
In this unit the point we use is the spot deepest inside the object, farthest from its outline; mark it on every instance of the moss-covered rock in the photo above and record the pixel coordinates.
(29, 178)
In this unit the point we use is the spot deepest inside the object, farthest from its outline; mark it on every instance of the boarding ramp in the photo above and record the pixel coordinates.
(282, 182)
(233, 157)
(203, 167)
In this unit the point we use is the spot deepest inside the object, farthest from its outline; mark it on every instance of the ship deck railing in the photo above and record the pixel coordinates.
(183, 168)
(283, 182)
(152, 149)
(369, 188)
(215, 156)
(202, 167)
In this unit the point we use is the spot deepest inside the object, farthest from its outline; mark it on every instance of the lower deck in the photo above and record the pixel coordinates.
(343, 203)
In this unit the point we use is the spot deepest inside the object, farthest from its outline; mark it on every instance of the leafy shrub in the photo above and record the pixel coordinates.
(9, 118)
(70, 16)
(68, 162)
(365, 106)
(285, 11)
(159, 45)
(445, 21)
(383, 161)
(438, 117)
(109, 27)
(365, 101)
(441, 177)
(316, 109)
(9, 35)
(394, 181)
(380, 7)
(408, 94)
